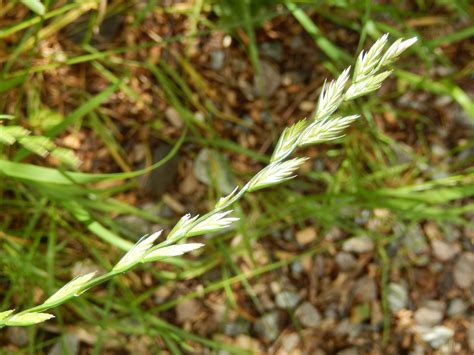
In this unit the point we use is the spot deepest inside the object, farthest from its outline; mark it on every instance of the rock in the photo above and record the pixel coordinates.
(134, 225)
(308, 315)
(444, 251)
(365, 289)
(306, 236)
(437, 336)
(237, 327)
(470, 336)
(173, 117)
(346, 261)
(430, 314)
(187, 310)
(349, 351)
(161, 179)
(289, 343)
(268, 326)
(273, 50)
(397, 297)
(287, 299)
(463, 271)
(217, 59)
(67, 344)
(211, 167)
(358, 245)
(17, 336)
(415, 241)
(269, 80)
(457, 307)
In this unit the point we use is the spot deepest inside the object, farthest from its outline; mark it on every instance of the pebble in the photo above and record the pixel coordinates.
(470, 336)
(397, 297)
(457, 307)
(67, 344)
(187, 310)
(287, 299)
(17, 336)
(437, 336)
(346, 261)
(272, 50)
(430, 315)
(415, 241)
(237, 327)
(308, 315)
(268, 326)
(306, 236)
(217, 59)
(174, 117)
(358, 245)
(289, 343)
(211, 167)
(365, 289)
(271, 79)
(463, 271)
(137, 226)
(444, 251)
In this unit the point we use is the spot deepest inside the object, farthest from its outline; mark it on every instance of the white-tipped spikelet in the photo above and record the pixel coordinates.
(6, 314)
(366, 86)
(275, 173)
(72, 288)
(21, 320)
(288, 141)
(226, 199)
(135, 255)
(215, 222)
(182, 227)
(172, 250)
(367, 62)
(397, 48)
(331, 96)
(326, 130)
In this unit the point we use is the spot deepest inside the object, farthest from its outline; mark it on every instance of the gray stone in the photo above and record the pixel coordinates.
(463, 271)
(457, 307)
(272, 50)
(287, 299)
(217, 59)
(346, 261)
(269, 81)
(470, 336)
(444, 251)
(67, 344)
(237, 327)
(212, 167)
(437, 336)
(415, 241)
(365, 289)
(268, 326)
(161, 179)
(308, 315)
(358, 245)
(397, 297)
(17, 336)
(430, 314)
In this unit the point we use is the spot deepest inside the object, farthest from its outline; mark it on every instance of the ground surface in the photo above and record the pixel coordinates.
(369, 250)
